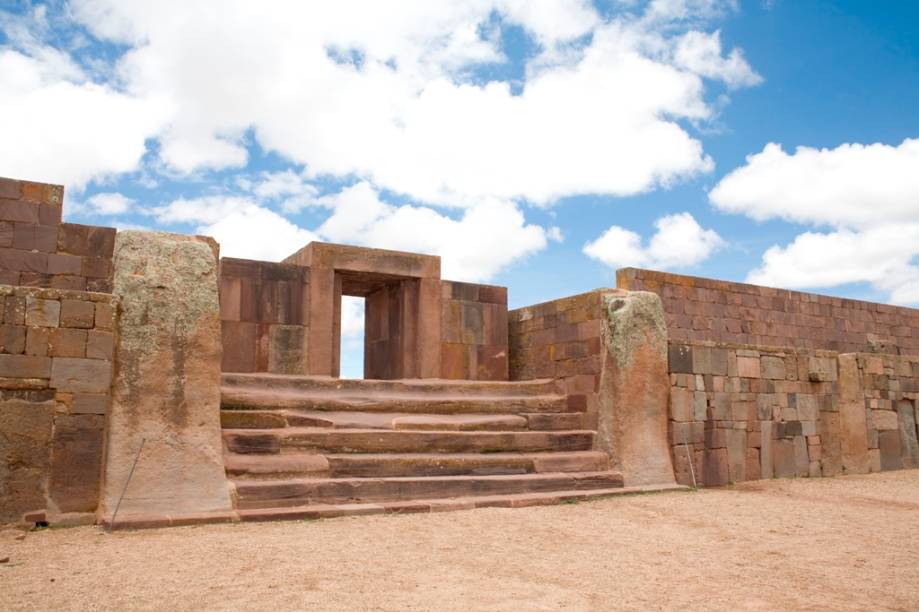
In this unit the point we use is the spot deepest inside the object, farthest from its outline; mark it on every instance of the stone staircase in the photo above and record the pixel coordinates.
(307, 447)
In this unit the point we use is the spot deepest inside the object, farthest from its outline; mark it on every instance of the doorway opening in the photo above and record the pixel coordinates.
(352, 337)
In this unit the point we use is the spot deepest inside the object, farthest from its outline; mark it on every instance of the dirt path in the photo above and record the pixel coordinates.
(831, 544)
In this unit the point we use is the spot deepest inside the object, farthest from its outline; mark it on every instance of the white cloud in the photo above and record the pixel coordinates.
(206, 209)
(678, 242)
(67, 129)
(700, 53)
(109, 203)
(254, 232)
(868, 194)
(352, 317)
(485, 239)
(357, 89)
(853, 185)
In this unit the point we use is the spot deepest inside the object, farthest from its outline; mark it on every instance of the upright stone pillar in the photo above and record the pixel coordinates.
(853, 417)
(166, 393)
(635, 388)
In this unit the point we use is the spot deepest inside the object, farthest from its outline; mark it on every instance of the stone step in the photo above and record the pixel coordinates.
(289, 465)
(264, 398)
(274, 419)
(248, 441)
(298, 492)
(424, 387)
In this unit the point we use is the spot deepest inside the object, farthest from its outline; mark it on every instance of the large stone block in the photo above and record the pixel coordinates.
(909, 445)
(76, 463)
(853, 420)
(79, 375)
(166, 394)
(25, 437)
(635, 388)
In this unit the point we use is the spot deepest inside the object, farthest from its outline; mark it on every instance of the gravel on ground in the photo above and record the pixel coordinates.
(843, 543)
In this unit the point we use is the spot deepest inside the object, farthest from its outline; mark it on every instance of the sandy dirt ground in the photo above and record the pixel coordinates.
(825, 544)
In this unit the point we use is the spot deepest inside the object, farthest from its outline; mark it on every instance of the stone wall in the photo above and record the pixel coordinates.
(474, 325)
(55, 389)
(37, 250)
(720, 311)
(744, 412)
(264, 312)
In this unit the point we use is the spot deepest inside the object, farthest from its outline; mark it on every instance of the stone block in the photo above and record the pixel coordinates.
(17, 210)
(64, 264)
(808, 407)
(167, 392)
(680, 358)
(12, 339)
(754, 469)
(38, 340)
(737, 454)
(700, 406)
(24, 366)
(772, 368)
(105, 316)
(14, 310)
(681, 404)
(78, 314)
(43, 313)
(852, 417)
(76, 463)
(239, 346)
(715, 470)
(65, 342)
(909, 445)
(748, 367)
(287, 349)
(90, 403)
(889, 447)
(783, 452)
(635, 380)
(765, 449)
(100, 345)
(82, 375)
(720, 407)
(25, 437)
(74, 239)
(821, 369)
(885, 420)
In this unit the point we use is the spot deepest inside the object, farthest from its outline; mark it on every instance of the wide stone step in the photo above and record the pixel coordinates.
(289, 465)
(423, 387)
(385, 441)
(411, 506)
(278, 493)
(274, 419)
(262, 398)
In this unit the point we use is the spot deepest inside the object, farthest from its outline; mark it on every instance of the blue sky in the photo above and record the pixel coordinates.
(534, 146)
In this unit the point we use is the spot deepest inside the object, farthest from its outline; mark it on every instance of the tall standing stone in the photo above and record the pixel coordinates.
(635, 388)
(853, 419)
(166, 392)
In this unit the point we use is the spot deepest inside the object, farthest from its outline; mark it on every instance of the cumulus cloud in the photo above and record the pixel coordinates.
(357, 89)
(867, 194)
(473, 247)
(678, 242)
(853, 185)
(108, 203)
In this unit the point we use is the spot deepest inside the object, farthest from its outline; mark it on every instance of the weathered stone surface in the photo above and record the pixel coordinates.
(287, 349)
(885, 420)
(853, 425)
(43, 313)
(773, 367)
(909, 445)
(76, 463)
(166, 395)
(25, 437)
(889, 446)
(77, 313)
(821, 369)
(635, 388)
(81, 375)
(831, 454)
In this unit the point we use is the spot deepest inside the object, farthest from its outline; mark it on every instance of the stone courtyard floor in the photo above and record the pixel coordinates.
(826, 544)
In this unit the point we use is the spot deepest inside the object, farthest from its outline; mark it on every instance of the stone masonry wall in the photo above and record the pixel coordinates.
(37, 250)
(474, 328)
(55, 382)
(264, 311)
(746, 413)
(560, 339)
(720, 311)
